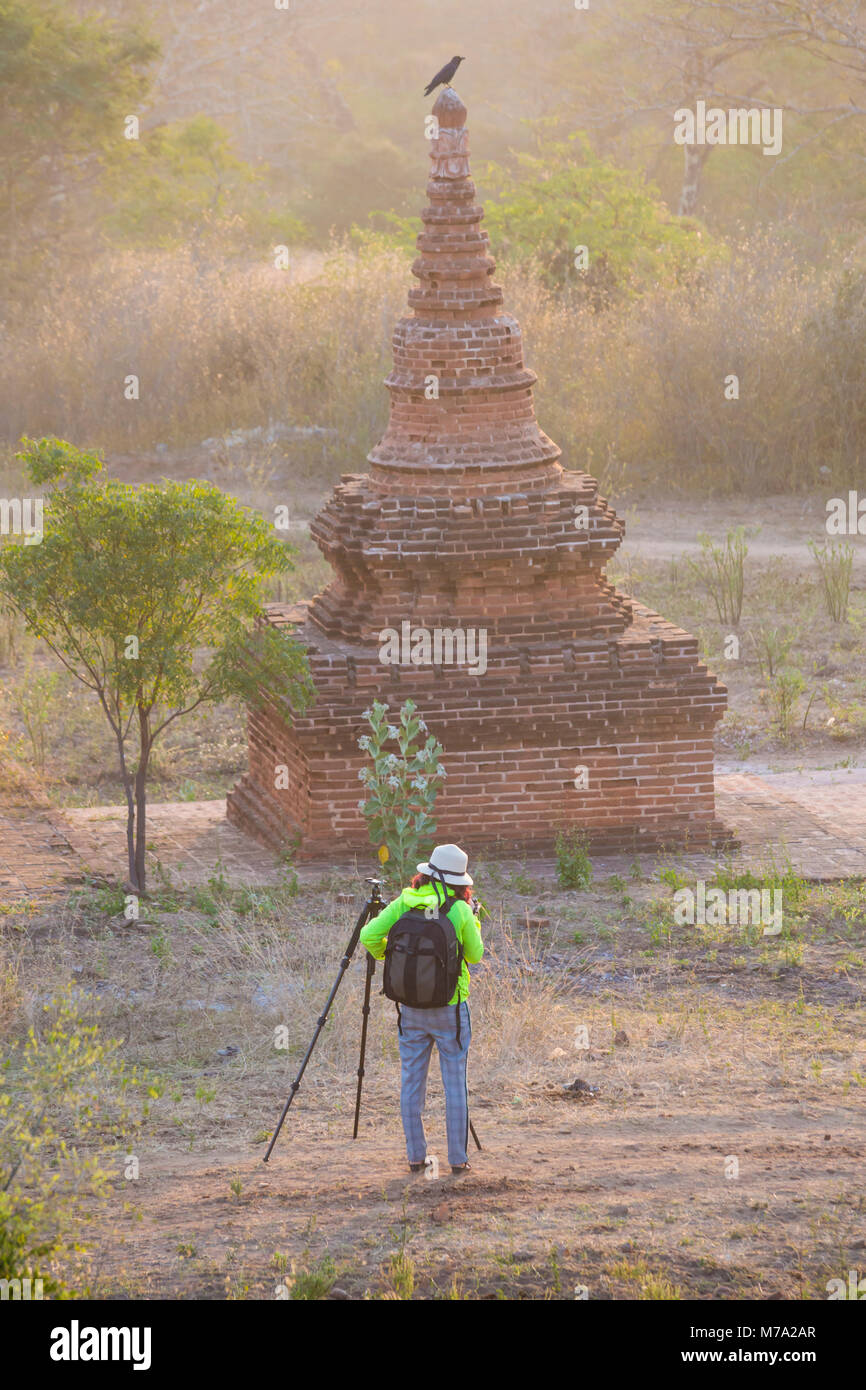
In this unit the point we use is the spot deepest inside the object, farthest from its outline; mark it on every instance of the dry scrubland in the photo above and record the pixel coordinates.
(635, 394)
(705, 1043)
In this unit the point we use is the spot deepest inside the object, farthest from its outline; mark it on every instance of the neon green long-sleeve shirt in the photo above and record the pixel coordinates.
(375, 934)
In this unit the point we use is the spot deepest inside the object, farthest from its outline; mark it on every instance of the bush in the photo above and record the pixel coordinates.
(834, 560)
(719, 571)
(66, 1098)
(785, 689)
(566, 196)
(573, 866)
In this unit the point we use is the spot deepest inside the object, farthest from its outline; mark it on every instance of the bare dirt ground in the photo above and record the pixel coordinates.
(619, 1198)
(713, 1150)
(781, 525)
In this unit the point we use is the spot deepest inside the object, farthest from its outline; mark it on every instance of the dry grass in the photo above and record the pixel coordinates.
(217, 967)
(635, 395)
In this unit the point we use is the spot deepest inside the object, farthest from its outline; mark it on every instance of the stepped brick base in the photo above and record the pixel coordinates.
(637, 714)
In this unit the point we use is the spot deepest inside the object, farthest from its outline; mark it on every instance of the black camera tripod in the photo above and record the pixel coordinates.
(372, 907)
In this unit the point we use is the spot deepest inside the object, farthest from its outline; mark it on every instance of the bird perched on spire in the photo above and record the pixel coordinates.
(444, 75)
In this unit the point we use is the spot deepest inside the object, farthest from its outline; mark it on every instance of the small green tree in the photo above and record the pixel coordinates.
(401, 787)
(150, 596)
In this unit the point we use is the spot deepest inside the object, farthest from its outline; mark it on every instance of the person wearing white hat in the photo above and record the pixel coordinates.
(441, 882)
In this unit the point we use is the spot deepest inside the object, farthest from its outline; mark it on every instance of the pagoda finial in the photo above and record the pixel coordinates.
(449, 109)
(449, 151)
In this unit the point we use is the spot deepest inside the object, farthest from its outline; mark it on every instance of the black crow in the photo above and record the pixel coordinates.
(444, 75)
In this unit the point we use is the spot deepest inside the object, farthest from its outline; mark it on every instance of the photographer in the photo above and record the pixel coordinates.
(440, 889)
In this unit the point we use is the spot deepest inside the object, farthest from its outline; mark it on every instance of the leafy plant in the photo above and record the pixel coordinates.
(769, 877)
(401, 786)
(772, 645)
(401, 1275)
(573, 866)
(33, 699)
(834, 560)
(719, 571)
(784, 691)
(316, 1281)
(65, 1100)
(847, 718)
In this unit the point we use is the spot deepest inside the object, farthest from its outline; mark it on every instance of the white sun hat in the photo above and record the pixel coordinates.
(448, 862)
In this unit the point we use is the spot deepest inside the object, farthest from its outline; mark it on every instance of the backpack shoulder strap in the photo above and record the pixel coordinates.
(445, 911)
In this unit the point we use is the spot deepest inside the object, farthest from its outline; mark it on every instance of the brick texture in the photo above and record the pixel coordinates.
(467, 520)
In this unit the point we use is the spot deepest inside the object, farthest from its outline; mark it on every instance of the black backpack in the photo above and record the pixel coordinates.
(423, 959)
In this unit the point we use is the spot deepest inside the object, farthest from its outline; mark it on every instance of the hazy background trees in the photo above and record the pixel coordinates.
(259, 127)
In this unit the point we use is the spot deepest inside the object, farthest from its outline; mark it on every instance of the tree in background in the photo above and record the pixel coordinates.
(566, 196)
(75, 181)
(653, 57)
(67, 83)
(183, 183)
(150, 596)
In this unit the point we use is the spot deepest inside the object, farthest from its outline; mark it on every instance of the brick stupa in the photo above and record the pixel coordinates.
(467, 520)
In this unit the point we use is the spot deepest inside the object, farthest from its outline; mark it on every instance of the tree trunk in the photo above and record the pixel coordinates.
(130, 813)
(694, 158)
(141, 797)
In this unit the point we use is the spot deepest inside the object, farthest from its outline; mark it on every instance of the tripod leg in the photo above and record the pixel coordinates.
(474, 1135)
(371, 970)
(366, 913)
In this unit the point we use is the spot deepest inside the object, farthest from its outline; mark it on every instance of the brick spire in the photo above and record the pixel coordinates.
(459, 343)
(463, 478)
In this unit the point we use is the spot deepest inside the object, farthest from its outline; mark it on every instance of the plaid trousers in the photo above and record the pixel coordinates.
(421, 1028)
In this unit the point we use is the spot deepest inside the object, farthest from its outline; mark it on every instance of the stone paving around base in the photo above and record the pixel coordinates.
(37, 861)
(816, 819)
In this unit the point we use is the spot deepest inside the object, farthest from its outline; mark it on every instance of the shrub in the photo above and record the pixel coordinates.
(785, 690)
(719, 570)
(772, 645)
(834, 560)
(66, 1097)
(401, 787)
(573, 866)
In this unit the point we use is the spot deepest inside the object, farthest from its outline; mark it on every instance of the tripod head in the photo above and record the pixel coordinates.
(375, 899)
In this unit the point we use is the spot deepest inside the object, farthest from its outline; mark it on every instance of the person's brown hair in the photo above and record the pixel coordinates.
(459, 890)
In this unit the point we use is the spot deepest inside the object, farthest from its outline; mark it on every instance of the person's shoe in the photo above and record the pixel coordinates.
(458, 1169)
(417, 1167)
